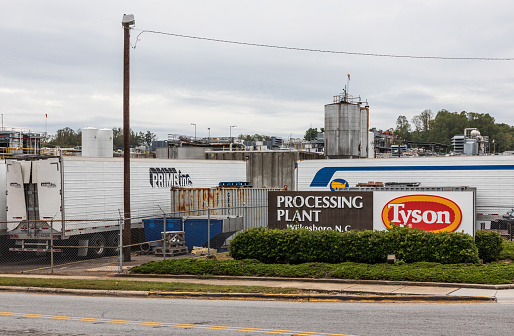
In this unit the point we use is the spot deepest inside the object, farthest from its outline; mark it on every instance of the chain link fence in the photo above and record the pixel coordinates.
(497, 218)
(95, 246)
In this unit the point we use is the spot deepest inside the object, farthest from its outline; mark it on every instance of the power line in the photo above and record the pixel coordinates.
(323, 51)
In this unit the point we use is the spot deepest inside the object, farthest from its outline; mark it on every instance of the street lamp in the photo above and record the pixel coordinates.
(231, 131)
(195, 129)
(209, 137)
(231, 136)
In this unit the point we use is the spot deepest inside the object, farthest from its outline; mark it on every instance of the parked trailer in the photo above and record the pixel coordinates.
(81, 198)
(492, 176)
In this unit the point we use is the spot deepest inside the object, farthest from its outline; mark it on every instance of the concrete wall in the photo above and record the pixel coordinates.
(161, 153)
(187, 153)
(267, 169)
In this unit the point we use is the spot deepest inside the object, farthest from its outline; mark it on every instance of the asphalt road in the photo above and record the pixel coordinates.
(48, 315)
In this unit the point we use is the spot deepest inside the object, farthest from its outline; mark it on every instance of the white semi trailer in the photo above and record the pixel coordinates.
(75, 201)
(492, 176)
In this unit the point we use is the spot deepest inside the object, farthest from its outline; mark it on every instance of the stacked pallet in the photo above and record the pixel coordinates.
(174, 243)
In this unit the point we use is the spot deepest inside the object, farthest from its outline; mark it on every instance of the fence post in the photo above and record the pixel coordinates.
(52, 246)
(52, 243)
(245, 215)
(208, 229)
(511, 230)
(163, 233)
(121, 222)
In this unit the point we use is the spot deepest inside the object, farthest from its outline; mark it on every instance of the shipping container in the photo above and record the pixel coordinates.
(249, 203)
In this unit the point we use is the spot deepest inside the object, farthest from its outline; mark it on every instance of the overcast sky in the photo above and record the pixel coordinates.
(65, 59)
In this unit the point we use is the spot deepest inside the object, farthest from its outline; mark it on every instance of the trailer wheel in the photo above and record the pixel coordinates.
(113, 240)
(97, 240)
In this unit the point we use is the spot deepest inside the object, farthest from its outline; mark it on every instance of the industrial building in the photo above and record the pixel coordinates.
(15, 142)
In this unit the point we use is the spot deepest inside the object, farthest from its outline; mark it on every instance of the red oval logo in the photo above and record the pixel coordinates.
(425, 212)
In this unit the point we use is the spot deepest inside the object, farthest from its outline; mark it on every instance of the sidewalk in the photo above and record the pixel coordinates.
(326, 289)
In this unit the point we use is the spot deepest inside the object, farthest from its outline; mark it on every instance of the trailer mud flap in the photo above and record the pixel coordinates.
(82, 251)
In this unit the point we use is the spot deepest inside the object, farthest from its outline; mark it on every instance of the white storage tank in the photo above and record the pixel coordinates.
(89, 142)
(105, 142)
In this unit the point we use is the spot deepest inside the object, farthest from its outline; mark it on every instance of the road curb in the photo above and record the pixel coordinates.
(324, 298)
(251, 296)
(344, 281)
(81, 292)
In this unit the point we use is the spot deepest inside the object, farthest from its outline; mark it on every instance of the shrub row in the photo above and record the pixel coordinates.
(301, 246)
(497, 273)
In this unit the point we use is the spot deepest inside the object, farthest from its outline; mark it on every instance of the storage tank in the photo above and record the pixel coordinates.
(89, 142)
(105, 142)
(346, 130)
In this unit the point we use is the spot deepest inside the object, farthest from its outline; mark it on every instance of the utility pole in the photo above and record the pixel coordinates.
(127, 21)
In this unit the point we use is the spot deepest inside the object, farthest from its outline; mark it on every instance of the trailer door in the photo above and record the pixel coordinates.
(15, 194)
(47, 175)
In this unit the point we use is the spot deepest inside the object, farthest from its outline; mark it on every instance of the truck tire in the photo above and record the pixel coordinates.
(97, 239)
(113, 239)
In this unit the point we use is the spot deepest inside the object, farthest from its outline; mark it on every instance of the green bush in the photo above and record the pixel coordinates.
(303, 246)
(494, 273)
(490, 245)
(507, 250)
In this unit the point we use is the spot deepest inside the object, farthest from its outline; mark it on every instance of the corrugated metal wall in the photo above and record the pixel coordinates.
(250, 203)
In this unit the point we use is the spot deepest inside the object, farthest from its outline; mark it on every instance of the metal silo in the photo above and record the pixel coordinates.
(346, 128)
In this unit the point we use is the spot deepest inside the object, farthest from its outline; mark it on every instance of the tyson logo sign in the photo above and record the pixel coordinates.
(425, 212)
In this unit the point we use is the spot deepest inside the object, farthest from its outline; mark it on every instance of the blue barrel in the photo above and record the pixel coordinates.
(154, 226)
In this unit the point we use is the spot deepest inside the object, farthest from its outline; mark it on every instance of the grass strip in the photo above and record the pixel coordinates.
(128, 285)
(493, 274)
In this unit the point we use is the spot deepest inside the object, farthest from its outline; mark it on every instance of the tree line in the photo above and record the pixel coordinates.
(445, 125)
(423, 128)
(67, 137)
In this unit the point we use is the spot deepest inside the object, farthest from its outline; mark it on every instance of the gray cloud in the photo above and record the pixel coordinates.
(65, 60)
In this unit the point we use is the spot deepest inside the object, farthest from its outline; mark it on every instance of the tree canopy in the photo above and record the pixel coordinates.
(445, 125)
(67, 137)
(136, 139)
(255, 137)
(312, 133)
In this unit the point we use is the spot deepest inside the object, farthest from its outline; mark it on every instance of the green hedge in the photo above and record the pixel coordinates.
(490, 245)
(495, 273)
(301, 246)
